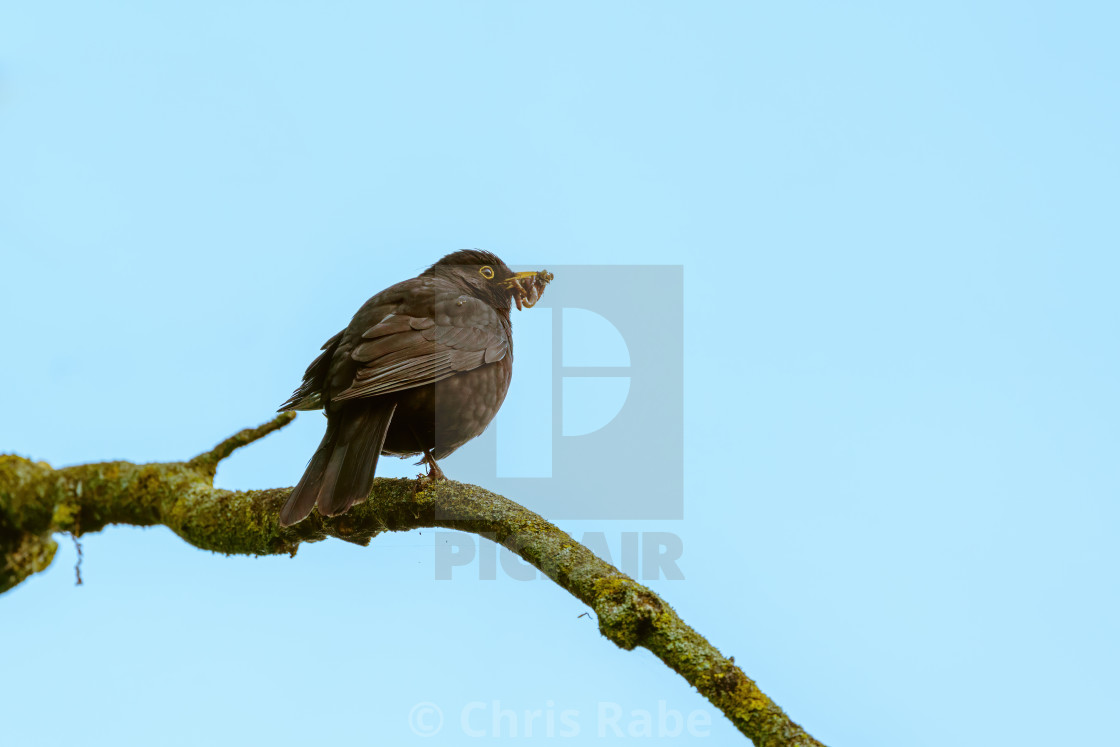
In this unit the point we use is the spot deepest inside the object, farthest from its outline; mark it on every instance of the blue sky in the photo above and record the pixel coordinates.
(899, 240)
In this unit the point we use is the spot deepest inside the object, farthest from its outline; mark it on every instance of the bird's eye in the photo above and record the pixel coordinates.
(486, 271)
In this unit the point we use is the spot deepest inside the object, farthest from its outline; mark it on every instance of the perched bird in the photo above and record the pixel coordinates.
(422, 368)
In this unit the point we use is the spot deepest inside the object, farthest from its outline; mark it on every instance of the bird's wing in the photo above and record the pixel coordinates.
(309, 394)
(333, 371)
(403, 350)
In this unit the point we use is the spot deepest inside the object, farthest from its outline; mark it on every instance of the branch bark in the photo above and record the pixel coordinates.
(37, 502)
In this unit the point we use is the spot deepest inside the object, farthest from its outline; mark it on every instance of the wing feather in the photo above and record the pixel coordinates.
(386, 345)
(390, 325)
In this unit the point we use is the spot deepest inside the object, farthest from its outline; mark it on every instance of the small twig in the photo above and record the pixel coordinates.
(74, 534)
(208, 460)
(78, 563)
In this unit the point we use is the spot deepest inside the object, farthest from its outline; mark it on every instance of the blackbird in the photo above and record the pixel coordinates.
(422, 368)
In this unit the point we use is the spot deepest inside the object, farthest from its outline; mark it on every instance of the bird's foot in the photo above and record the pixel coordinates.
(434, 472)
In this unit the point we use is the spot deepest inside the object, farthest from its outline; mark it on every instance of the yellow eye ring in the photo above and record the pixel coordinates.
(486, 271)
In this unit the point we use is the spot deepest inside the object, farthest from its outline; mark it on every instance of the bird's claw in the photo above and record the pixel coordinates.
(434, 472)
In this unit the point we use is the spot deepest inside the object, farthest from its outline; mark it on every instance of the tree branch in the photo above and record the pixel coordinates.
(37, 501)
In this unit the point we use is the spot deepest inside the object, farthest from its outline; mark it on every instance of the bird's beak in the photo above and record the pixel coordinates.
(527, 287)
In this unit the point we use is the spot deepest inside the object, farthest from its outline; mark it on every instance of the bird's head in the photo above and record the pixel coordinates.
(487, 277)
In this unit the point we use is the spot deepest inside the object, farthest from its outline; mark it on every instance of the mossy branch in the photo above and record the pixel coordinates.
(37, 502)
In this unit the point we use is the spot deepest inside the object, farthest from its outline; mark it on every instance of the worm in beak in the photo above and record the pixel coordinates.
(527, 287)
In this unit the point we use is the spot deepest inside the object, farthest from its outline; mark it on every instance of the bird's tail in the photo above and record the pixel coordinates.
(341, 470)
